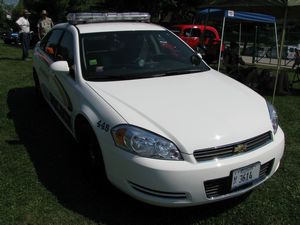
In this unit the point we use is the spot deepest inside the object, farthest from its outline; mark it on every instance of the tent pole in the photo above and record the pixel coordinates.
(280, 53)
(222, 37)
(205, 25)
(240, 39)
(255, 45)
(276, 39)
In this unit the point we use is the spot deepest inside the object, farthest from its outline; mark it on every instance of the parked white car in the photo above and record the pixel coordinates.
(168, 129)
(290, 51)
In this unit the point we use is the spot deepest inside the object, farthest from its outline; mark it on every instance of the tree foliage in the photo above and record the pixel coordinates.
(5, 23)
(162, 11)
(159, 9)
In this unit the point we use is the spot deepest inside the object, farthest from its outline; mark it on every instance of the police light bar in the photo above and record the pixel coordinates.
(79, 18)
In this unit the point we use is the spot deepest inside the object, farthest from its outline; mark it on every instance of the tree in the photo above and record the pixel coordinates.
(1, 14)
(5, 22)
(162, 11)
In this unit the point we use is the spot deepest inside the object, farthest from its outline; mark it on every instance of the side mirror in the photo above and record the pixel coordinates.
(196, 59)
(60, 66)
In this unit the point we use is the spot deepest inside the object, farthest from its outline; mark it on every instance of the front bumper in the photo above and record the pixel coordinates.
(187, 183)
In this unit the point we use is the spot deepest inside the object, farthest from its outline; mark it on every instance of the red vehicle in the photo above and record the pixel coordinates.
(208, 42)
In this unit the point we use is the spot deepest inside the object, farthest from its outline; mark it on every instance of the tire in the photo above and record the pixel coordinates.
(90, 150)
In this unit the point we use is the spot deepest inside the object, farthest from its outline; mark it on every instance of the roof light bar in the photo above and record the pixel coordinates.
(79, 18)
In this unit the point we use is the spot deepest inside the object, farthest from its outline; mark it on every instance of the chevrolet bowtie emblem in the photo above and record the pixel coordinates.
(240, 148)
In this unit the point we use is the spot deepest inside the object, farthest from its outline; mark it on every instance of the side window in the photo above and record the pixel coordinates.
(44, 41)
(65, 49)
(192, 32)
(209, 37)
(51, 46)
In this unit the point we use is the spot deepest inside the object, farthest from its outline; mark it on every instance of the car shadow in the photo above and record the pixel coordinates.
(58, 164)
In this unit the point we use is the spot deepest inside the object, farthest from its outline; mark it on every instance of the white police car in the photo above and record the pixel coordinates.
(168, 129)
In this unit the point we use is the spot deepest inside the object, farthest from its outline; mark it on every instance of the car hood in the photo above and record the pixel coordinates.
(195, 111)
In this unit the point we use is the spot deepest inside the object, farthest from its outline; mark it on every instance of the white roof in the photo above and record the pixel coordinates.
(117, 26)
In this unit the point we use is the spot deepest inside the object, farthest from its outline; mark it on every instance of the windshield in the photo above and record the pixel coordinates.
(136, 54)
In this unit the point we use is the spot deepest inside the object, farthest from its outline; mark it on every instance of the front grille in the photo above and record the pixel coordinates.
(160, 194)
(222, 186)
(233, 149)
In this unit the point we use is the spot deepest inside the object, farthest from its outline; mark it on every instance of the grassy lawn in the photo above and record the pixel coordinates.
(42, 183)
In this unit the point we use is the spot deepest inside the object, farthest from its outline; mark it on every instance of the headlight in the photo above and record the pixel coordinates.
(144, 143)
(273, 116)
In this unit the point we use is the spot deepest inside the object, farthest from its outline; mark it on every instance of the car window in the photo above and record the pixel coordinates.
(209, 35)
(134, 54)
(43, 42)
(192, 32)
(51, 44)
(65, 50)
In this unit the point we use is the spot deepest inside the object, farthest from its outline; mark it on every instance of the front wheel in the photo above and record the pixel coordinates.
(89, 147)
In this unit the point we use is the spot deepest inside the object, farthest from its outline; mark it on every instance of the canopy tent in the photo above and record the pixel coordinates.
(247, 3)
(238, 15)
(280, 8)
(273, 7)
(221, 14)
(288, 5)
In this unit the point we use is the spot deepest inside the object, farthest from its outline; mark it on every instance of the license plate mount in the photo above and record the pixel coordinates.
(244, 175)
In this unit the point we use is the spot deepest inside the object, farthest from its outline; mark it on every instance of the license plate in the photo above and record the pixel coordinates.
(245, 175)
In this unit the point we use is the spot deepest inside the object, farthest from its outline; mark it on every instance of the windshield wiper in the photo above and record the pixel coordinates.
(116, 77)
(178, 72)
(101, 77)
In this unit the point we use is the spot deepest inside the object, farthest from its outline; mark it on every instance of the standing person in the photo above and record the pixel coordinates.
(24, 32)
(233, 62)
(297, 59)
(44, 24)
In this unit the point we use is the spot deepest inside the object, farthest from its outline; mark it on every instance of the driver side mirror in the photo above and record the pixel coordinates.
(60, 66)
(196, 59)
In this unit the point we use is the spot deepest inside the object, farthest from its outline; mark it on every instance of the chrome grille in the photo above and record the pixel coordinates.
(233, 149)
(222, 186)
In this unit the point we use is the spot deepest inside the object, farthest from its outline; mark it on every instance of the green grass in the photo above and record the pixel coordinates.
(41, 180)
